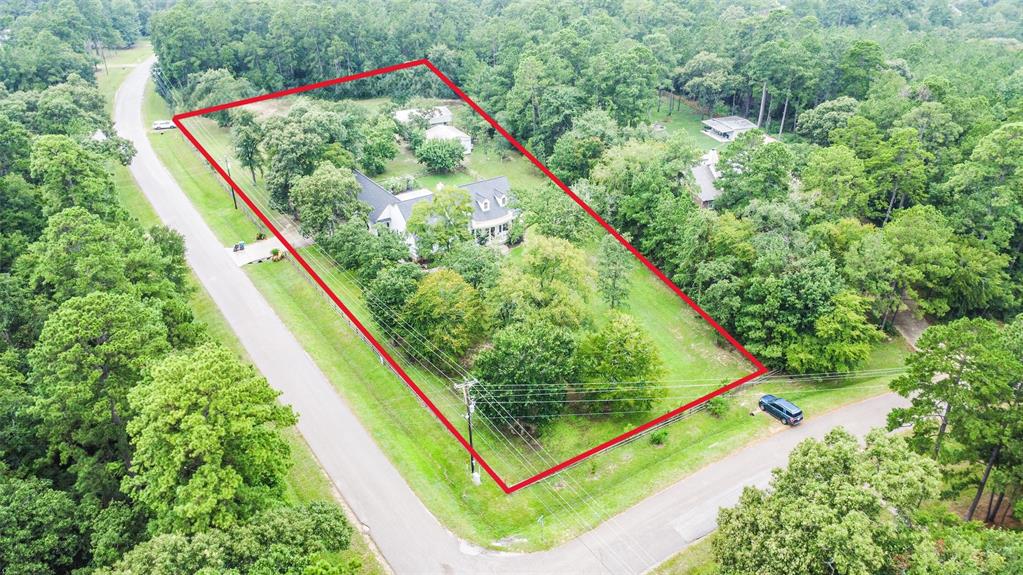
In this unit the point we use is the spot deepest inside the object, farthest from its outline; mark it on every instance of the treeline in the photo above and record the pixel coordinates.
(43, 41)
(537, 65)
(131, 442)
(814, 244)
(965, 385)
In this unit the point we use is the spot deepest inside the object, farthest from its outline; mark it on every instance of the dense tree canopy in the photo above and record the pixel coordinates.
(90, 304)
(523, 376)
(838, 508)
(207, 451)
(90, 354)
(443, 318)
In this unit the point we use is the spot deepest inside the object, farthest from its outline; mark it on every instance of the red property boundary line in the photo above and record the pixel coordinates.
(761, 369)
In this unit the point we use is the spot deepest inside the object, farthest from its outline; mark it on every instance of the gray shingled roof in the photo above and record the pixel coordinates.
(489, 190)
(377, 197)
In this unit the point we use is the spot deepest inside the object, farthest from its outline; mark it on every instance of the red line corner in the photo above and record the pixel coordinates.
(760, 368)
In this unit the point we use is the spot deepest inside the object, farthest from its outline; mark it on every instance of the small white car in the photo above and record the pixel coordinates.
(163, 125)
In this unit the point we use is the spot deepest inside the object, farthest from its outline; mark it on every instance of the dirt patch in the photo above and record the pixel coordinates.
(272, 107)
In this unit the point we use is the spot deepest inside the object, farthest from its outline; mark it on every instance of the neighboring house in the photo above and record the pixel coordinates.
(706, 173)
(446, 132)
(491, 214)
(434, 116)
(727, 128)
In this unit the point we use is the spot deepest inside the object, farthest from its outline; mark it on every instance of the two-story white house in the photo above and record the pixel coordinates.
(492, 214)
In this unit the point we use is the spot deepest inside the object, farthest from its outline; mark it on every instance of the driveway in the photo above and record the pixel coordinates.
(405, 532)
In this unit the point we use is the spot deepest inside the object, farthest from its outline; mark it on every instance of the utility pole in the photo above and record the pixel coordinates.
(470, 407)
(227, 161)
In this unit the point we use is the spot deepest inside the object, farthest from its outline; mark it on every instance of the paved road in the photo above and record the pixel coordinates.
(407, 534)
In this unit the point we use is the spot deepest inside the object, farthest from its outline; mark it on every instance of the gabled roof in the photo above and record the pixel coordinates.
(435, 115)
(373, 194)
(489, 191)
(445, 132)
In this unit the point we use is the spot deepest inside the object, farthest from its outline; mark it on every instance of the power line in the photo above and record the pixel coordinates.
(501, 435)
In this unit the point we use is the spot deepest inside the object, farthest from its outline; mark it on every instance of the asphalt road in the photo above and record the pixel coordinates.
(405, 532)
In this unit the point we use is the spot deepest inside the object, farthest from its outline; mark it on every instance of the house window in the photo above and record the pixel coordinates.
(485, 205)
(502, 201)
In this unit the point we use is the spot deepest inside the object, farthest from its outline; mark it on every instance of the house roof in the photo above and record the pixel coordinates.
(407, 200)
(729, 124)
(487, 193)
(371, 193)
(704, 177)
(484, 193)
(435, 115)
(445, 132)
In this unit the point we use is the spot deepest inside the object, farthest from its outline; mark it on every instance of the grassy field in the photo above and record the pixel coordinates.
(306, 481)
(434, 465)
(486, 161)
(684, 118)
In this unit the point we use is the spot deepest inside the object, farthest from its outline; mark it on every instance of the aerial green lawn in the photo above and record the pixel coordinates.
(488, 160)
(697, 559)
(685, 119)
(435, 466)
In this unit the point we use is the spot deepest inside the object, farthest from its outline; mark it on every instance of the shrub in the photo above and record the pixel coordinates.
(440, 155)
(659, 437)
(717, 407)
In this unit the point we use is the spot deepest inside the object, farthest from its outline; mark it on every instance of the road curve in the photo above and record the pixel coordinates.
(406, 533)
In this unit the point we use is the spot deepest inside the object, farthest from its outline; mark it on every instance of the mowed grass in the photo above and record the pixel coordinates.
(683, 119)
(435, 466)
(697, 559)
(119, 64)
(202, 185)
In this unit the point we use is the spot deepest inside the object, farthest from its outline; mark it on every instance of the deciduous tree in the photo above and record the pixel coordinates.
(818, 122)
(523, 376)
(440, 155)
(613, 271)
(326, 198)
(442, 221)
(477, 264)
(842, 497)
(208, 449)
(40, 527)
(390, 290)
(443, 319)
(618, 365)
